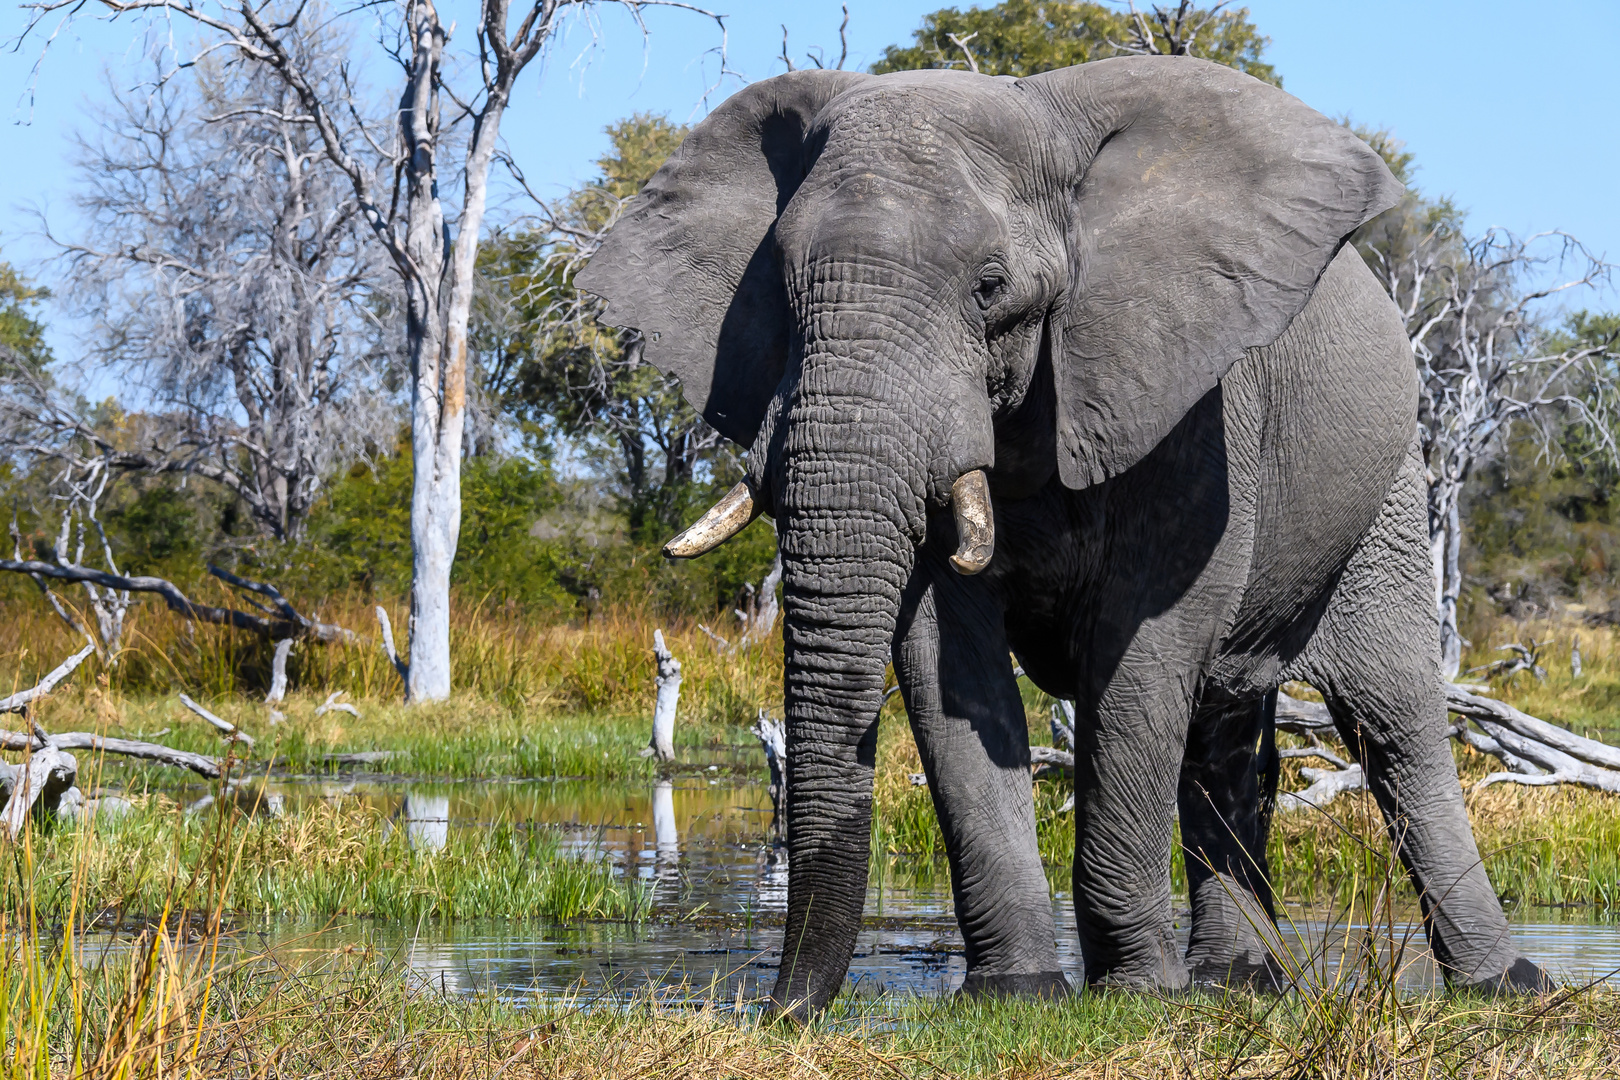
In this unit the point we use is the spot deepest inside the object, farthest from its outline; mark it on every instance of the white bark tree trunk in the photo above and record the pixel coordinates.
(438, 332)
(1445, 549)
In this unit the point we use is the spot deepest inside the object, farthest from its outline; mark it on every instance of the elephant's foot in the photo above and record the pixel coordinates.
(1168, 978)
(1038, 984)
(1255, 977)
(1522, 977)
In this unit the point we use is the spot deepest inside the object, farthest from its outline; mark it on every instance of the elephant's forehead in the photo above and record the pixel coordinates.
(896, 216)
(934, 116)
(897, 177)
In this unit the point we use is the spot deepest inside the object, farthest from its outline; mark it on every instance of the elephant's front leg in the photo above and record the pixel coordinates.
(951, 656)
(1127, 759)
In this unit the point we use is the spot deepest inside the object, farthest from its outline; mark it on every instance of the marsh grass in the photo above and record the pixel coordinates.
(537, 700)
(182, 997)
(338, 858)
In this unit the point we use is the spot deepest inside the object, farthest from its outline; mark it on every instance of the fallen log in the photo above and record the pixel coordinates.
(1303, 717)
(1503, 715)
(203, 766)
(1050, 757)
(1326, 784)
(1553, 765)
(1537, 753)
(334, 705)
(48, 773)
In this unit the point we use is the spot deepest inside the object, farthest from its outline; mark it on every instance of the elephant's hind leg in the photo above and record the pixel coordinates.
(1375, 659)
(951, 656)
(1223, 841)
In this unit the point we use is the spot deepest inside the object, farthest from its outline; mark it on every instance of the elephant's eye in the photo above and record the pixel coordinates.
(988, 289)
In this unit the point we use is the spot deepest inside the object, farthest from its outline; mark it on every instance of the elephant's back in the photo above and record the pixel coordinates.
(1326, 414)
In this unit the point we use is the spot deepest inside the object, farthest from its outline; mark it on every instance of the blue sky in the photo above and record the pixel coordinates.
(1510, 108)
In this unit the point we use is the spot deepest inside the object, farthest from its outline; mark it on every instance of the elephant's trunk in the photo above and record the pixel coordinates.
(849, 521)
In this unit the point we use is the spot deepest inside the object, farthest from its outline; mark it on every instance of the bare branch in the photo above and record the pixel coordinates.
(967, 54)
(22, 699)
(230, 731)
(78, 740)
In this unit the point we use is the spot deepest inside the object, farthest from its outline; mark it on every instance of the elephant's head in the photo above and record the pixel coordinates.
(893, 288)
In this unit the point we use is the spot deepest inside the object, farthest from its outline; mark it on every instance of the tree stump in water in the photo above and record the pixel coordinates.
(662, 745)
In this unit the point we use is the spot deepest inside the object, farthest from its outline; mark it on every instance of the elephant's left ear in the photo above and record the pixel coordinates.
(1205, 206)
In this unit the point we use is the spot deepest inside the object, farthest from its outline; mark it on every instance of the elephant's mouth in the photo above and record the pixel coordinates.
(970, 506)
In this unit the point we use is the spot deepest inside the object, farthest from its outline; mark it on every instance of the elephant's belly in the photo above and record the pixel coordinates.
(1331, 407)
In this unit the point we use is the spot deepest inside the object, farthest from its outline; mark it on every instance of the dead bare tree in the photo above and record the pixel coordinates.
(229, 276)
(273, 623)
(815, 54)
(1475, 318)
(1163, 32)
(79, 492)
(443, 131)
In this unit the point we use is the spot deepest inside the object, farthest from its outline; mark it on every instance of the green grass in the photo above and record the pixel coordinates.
(465, 738)
(341, 859)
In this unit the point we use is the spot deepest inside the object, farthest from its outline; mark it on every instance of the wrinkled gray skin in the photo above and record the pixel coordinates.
(1120, 288)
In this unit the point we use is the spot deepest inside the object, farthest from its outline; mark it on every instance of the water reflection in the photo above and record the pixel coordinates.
(721, 890)
(427, 820)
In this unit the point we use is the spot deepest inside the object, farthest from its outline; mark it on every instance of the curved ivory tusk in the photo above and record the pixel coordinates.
(723, 520)
(975, 524)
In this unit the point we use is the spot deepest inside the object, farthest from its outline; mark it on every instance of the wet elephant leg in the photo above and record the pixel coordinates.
(1224, 824)
(951, 657)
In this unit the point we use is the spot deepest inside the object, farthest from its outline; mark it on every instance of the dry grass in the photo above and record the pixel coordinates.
(503, 655)
(181, 1010)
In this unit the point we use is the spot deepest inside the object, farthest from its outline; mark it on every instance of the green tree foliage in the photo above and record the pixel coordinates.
(21, 330)
(1025, 37)
(360, 533)
(159, 528)
(546, 363)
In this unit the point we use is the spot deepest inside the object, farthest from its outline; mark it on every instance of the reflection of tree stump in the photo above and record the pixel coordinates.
(427, 821)
(772, 736)
(666, 838)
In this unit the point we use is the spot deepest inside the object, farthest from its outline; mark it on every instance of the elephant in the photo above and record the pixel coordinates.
(1079, 369)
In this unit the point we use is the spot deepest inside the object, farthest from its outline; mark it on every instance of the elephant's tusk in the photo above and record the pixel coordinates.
(975, 523)
(724, 519)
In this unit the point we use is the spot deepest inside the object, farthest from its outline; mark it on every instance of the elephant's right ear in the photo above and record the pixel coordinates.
(692, 262)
